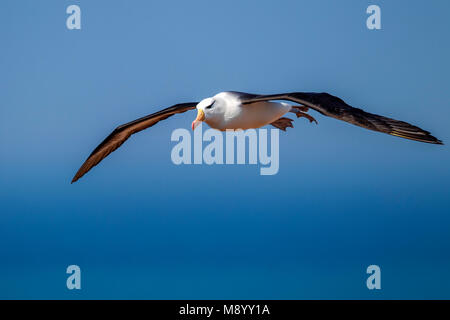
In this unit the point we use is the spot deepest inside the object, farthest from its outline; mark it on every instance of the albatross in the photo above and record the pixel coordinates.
(233, 110)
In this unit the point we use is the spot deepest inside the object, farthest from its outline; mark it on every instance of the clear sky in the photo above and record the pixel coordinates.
(140, 227)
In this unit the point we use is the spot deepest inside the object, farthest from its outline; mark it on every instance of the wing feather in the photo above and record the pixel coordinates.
(123, 132)
(335, 107)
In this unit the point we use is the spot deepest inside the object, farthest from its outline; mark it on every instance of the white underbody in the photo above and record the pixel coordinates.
(228, 113)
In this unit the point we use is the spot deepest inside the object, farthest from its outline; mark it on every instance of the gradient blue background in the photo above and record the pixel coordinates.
(141, 227)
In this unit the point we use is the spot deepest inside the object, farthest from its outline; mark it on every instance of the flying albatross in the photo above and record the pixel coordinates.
(239, 110)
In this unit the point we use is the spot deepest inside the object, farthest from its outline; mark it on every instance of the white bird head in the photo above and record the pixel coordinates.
(205, 111)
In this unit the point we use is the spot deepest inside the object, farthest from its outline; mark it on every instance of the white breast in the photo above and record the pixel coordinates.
(248, 116)
(258, 114)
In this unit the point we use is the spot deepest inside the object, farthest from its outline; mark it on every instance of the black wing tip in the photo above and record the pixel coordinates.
(75, 178)
(80, 173)
(439, 142)
(428, 138)
(435, 140)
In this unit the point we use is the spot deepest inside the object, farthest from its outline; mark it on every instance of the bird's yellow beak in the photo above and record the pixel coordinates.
(200, 118)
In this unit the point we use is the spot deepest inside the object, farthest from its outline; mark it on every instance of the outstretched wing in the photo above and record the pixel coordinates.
(123, 132)
(335, 107)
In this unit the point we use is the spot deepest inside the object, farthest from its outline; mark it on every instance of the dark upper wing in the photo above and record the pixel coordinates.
(123, 132)
(332, 106)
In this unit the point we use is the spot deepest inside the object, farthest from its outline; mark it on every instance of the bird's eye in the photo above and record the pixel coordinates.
(210, 106)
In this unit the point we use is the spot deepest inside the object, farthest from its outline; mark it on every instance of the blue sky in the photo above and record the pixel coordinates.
(142, 228)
